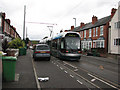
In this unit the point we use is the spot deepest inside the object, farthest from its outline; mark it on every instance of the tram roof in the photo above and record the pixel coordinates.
(60, 35)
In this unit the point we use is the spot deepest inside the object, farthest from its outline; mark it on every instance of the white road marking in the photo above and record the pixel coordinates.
(65, 71)
(71, 76)
(61, 68)
(79, 81)
(76, 70)
(102, 81)
(93, 80)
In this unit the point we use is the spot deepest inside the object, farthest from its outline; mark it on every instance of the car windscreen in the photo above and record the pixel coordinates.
(42, 47)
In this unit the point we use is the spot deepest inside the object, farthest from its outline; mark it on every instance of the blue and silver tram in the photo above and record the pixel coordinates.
(66, 45)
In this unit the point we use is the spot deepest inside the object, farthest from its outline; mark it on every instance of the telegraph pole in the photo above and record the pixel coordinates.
(24, 22)
(26, 32)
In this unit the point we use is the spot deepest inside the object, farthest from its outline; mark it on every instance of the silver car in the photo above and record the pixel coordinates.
(41, 51)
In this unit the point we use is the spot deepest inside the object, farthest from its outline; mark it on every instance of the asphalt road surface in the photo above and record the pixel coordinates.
(72, 74)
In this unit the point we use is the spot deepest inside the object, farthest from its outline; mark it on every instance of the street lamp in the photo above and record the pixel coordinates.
(75, 21)
(51, 31)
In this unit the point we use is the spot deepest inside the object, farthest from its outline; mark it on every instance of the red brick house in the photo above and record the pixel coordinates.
(95, 34)
(6, 29)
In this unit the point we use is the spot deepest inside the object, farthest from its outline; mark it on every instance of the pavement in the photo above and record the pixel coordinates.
(24, 73)
(107, 60)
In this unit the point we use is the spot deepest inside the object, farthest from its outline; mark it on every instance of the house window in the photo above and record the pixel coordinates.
(5, 29)
(102, 44)
(89, 32)
(0, 21)
(90, 45)
(117, 41)
(96, 31)
(94, 44)
(98, 44)
(85, 34)
(87, 45)
(93, 32)
(117, 24)
(101, 30)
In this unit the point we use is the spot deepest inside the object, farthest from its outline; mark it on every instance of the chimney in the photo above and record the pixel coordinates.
(113, 10)
(72, 27)
(94, 19)
(3, 14)
(61, 31)
(82, 24)
(8, 20)
(66, 31)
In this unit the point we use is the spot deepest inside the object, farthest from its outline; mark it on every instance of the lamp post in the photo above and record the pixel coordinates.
(75, 21)
(51, 31)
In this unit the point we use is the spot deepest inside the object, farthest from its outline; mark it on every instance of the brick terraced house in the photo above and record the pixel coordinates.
(94, 35)
(6, 29)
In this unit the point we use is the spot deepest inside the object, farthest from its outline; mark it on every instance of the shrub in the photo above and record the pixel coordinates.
(16, 43)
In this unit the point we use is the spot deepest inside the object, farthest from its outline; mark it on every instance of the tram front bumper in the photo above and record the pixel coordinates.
(69, 56)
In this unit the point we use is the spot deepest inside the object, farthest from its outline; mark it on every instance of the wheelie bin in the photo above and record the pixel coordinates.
(9, 63)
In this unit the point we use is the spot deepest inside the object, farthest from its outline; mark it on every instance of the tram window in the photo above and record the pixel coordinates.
(62, 44)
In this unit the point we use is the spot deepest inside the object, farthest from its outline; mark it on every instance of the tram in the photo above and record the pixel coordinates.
(66, 45)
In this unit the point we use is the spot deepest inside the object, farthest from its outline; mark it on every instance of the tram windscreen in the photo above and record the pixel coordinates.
(72, 42)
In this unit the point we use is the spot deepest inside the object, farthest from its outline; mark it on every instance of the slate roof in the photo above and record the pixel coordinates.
(87, 26)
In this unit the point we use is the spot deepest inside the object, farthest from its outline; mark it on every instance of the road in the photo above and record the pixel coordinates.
(87, 73)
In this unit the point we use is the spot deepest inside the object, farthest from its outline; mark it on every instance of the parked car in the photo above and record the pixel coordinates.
(41, 51)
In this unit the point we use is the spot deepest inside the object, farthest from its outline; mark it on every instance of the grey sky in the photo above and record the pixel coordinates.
(60, 12)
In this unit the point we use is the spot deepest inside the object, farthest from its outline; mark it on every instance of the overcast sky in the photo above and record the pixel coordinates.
(60, 12)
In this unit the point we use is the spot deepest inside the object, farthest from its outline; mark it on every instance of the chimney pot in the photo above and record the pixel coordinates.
(94, 19)
(113, 10)
(82, 24)
(72, 27)
(3, 14)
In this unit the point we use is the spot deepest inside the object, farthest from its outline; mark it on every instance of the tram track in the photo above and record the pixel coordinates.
(96, 75)
(73, 74)
(91, 78)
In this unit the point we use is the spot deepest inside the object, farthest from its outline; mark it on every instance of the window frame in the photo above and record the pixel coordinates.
(90, 32)
(84, 33)
(101, 30)
(0, 21)
(94, 32)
